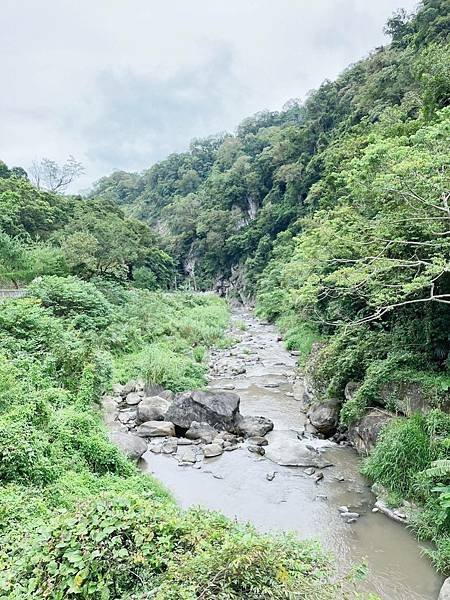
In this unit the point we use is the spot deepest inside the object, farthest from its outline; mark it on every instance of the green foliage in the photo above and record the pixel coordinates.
(112, 546)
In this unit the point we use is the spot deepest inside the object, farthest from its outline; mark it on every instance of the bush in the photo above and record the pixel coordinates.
(73, 299)
(113, 546)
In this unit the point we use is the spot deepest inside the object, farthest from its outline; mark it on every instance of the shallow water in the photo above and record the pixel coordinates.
(235, 483)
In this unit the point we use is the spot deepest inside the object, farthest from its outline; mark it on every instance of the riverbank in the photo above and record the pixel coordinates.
(274, 497)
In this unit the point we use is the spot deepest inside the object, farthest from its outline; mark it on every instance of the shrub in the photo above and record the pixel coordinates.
(73, 299)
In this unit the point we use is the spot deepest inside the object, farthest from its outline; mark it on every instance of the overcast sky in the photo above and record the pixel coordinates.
(120, 84)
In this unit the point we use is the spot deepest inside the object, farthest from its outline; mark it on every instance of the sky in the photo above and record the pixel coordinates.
(120, 84)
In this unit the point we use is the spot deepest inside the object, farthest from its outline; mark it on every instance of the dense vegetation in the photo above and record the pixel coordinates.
(78, 519)
(334, 214)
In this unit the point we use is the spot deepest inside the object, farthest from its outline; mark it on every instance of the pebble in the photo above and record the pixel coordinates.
(309, 471)
(271, 476)
(343, 509)
(375, 509)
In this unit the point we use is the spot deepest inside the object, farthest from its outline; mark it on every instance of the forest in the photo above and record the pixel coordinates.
(331, 218)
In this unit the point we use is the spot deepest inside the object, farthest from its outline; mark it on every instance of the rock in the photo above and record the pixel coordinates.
(132, 445)
(375, 509)
(117, 389)
(156, 429)
(125, 416)
(167, 395)
(293, 453)
(445, 590)
(343, 509)
(271, 476)
(153, 389)
(272, 385)
(201, 431)
(410, 397)
(152, 409)
(253, 426)
(231, 448)
(350, 389)
(321, 497)
(133, 398)
(132, 386)
(169, 446)
(295, 353)
(238, 370)
(309, 471)
(318, 477)
(185, 442)
(258, 440)
(325, 416)
(256, 450)
(187, 456)
(109, 409)
(211, 450)
(219, 409)
(228, 386)
(392, 514)
(364, 434)
(349, 515)
(219, 441)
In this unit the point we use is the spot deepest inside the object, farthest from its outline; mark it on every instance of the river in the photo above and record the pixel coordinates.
(236, 484)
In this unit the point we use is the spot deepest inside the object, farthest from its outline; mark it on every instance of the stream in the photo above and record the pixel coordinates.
(236, 484)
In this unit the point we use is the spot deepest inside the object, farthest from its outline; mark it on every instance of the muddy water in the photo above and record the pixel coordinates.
(235, 483)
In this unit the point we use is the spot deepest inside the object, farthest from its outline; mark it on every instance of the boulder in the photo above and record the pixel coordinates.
(132, 445)
(133, 398)
(211, 450)
(324, 416)
(167, 395)
(156, 429)
(445, 590)
(292, 453)
(219, 409)
(364, 433)
(152, 409)
(253, 426)
(201, 431)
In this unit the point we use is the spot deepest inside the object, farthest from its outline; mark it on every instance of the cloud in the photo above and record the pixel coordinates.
(141, 118)
(122, 84)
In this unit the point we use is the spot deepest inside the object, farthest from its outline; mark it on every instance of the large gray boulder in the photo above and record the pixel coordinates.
(152, 409)
(132, 445)
(324, 416)
(156, 429)
(219, 409)
(201, 431)
(364, 433)
(445, 590)
(293, 453)
(253, 426)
